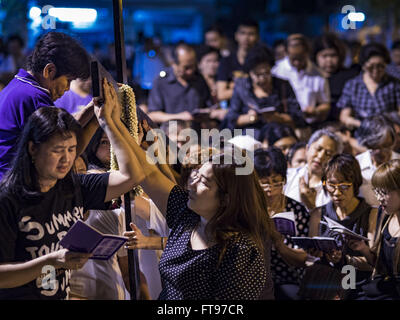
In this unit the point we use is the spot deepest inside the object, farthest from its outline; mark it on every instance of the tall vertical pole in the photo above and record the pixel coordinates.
(133, 261)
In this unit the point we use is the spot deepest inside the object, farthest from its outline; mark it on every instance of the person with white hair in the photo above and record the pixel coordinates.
(304, 184)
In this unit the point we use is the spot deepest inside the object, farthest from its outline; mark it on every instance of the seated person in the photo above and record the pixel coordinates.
(278, 135)
(296, 156)
(179, 91)
(371, 93)
(304, 184)
(342, 180)
(271, 166)
(378, 136)
(259, 91)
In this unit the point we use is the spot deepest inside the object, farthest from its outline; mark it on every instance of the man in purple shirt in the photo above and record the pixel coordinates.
(56, 60)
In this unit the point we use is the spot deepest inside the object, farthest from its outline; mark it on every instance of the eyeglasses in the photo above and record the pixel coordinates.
(272, 185)
(343, 187)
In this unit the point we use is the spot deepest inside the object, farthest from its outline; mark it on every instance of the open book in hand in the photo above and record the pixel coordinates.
(262, 109)
(324, 244)
(84, 238)
(337, 227)
(285, 223)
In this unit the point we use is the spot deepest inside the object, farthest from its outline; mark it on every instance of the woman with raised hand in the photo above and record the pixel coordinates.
(304, 184)
(41, 198)
(220, 239)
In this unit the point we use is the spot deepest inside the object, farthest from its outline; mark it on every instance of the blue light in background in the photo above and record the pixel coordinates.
(151, 54)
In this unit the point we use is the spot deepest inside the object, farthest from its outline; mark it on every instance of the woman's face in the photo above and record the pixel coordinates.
(272, 185)
(340, 191)
(203, 192)
(299, 158)
(103, 151)
(389, 200)
(54, 159)
(328, 60)
(319, 153)
(285, 144)
(261, 74)
(208, 65)
(375, 67)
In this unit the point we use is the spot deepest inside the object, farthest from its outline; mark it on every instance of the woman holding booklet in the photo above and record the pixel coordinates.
(341, 181)
(271, 166)
(384, 255)
(262, 98)
(41, 198)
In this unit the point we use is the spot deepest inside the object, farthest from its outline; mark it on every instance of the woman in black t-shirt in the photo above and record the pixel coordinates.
(41, 198)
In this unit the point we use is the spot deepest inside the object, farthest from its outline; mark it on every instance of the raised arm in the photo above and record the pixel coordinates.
(130, 172)
(155, 183)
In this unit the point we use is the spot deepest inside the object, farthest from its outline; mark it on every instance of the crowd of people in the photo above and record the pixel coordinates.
(323, 139)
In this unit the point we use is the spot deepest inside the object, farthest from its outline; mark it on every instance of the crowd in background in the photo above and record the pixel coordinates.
(325, 140)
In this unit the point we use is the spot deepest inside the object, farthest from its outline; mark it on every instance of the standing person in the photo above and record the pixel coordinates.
(180, 90)
(41, 198)
(342, 180)
(329, 54)
(372, 92)
(384, 256)
(304, 184)
(311, 88)
(232, 67)
(378, 136)
(56, 60)
(270, 165)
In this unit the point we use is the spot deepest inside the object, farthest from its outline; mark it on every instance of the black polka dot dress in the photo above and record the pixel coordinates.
(188, 274)
(282, 273)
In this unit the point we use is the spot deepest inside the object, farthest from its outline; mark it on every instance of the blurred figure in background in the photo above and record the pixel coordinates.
(232, 67)
(329, 54)
(311, 88)
(279, 49)
(378, 136)
(77, 96)
(372, 92)
(215, 38)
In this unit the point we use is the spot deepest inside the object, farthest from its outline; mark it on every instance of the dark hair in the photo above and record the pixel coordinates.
(205, 50)
(16, 37)
(346, 165)
(267, 161)
(275, 131)
(182, 45)
(329, 41)
(371, 50)
(69, 57)
(249, 23)
(278, 42)
(91, 150)
(215, 28)
(257, 55)
(301, 39)
(297, 146)
(373, 130)
(395, 45)
(43, 124)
